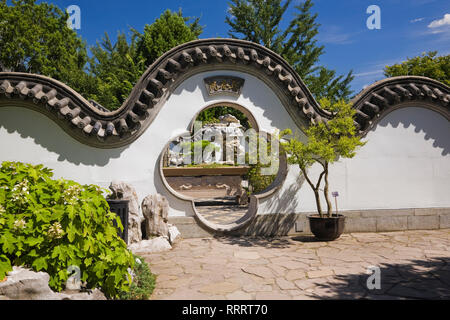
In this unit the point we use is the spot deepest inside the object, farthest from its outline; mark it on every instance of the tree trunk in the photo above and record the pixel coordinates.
(318, 204)
(316, 192)
(326, 192)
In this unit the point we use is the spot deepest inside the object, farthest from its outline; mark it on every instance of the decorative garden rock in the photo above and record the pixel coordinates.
(156, 210)
(25, 284)
(124, 191)
(159, 244)
(75, 296)
(174, 234)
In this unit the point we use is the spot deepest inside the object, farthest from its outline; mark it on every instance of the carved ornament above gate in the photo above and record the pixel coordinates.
(224, 85)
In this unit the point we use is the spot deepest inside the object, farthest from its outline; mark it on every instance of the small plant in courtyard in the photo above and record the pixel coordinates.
(143, 282)
(49, 225)
(326, 143)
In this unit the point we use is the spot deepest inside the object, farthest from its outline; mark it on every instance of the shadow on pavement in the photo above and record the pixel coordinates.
(417, 279)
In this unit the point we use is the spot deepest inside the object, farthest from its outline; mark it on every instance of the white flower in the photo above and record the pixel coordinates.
(138, 261)
(20, 192)
(19, 224)
(2, 210)
(71, 194)
(55, 231)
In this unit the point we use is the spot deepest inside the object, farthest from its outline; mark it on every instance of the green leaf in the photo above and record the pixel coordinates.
(40, 264)
(71, 232)
(34, 241)
(88, 262)
(8, 243)
(5, 266)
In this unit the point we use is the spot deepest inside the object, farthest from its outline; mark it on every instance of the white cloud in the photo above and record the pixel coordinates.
(369, 73)
(334, 35)
(441, 22)
(417, 20)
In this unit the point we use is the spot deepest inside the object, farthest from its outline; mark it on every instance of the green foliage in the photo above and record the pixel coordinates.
(259, 21)
(143, 284)
(325, 144)
(260, 176)
(49, 225)
(258, 181)
(116, 67)
(427, 65)
(167, 32)
(203, 144)
(212, 115)
(35, 38)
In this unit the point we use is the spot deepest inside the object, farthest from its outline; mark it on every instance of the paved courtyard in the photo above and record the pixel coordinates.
(413, 265)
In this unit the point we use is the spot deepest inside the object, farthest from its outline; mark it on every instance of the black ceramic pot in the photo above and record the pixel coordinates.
(327, 229)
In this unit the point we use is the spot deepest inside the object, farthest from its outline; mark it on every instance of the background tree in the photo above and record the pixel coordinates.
(168, 31)
(117, 67)
(34, 38)
(259, 21)
(428, 65)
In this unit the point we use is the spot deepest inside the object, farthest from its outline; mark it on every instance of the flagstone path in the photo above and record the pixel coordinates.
(413, 265)
(222, 214)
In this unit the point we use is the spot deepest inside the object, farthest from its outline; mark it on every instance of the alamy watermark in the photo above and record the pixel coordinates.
(74, 21)
(374, 20)
(74, 281)
(374, 280)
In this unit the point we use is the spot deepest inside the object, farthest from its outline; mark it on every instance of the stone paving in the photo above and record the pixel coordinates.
(413, 265)
(222, 214)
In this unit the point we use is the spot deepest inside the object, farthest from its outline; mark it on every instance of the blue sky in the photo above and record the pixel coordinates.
(407, 28)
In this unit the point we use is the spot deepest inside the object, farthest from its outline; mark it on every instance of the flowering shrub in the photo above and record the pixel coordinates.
(49, 225)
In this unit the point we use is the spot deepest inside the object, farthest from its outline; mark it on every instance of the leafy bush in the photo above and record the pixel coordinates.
(258, 181)
(143, 283)
(260, 176)
(48, 225)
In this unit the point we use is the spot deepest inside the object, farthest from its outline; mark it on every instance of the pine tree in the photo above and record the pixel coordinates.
(168, 31)
(116, 67)
(259, 21)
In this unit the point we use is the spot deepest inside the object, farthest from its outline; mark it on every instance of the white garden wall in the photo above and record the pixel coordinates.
(405, 164)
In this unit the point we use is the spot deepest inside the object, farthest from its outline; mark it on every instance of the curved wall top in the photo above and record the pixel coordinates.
(100, 129)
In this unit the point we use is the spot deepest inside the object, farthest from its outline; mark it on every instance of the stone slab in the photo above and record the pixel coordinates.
(360, 225)
(391, 223)
(444, 221)
(423, 222)
(387, 213)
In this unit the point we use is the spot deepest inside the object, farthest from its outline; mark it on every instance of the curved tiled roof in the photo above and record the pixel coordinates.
(385, 95)
(91, 125)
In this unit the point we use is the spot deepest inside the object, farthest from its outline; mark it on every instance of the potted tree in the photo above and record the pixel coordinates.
(326, 143)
